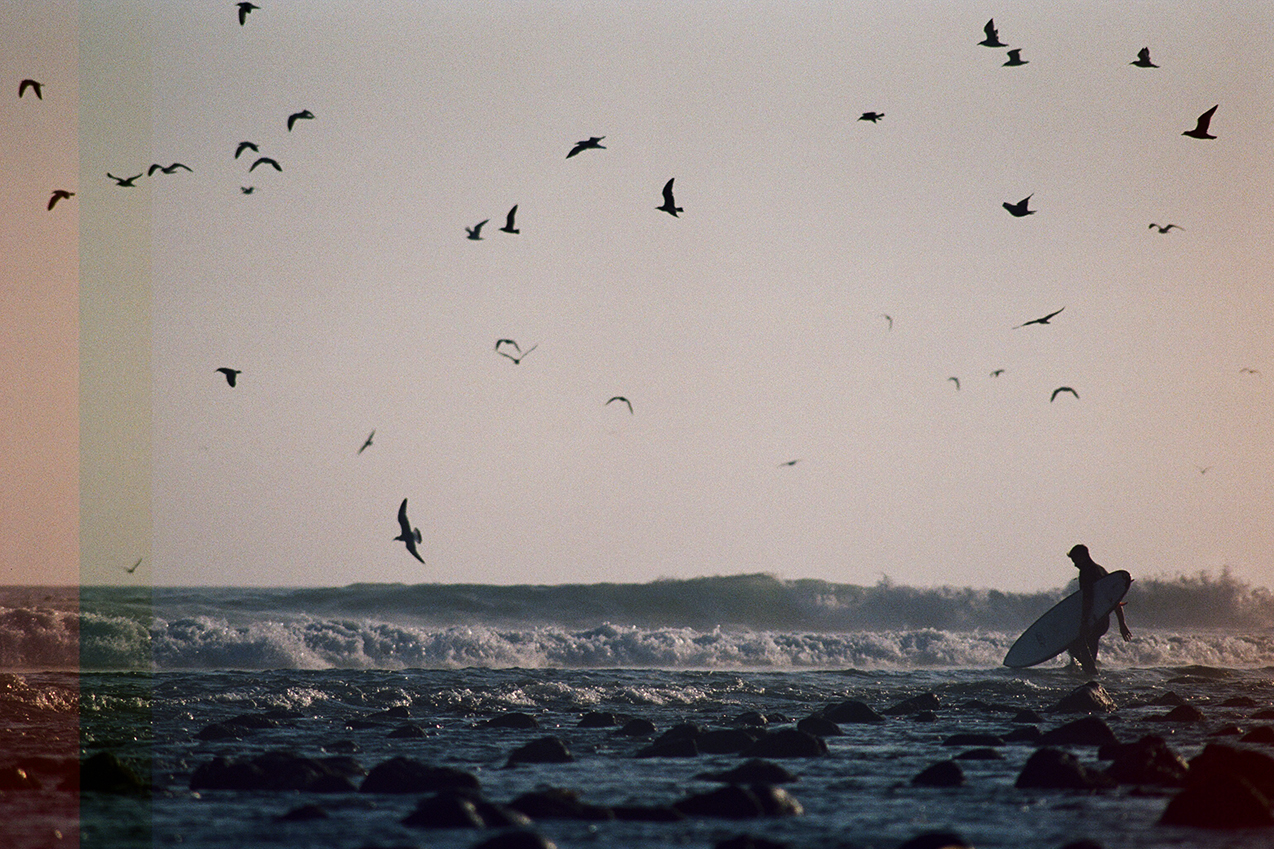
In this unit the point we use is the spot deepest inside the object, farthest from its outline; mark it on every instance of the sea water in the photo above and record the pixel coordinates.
(141, 673)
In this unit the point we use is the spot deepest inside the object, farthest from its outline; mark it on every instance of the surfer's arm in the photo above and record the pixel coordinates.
(1123, 626)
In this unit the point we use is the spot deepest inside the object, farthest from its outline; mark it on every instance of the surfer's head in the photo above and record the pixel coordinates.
(1079, 554)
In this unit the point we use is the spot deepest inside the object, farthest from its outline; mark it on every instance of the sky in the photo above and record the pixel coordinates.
(747, 332)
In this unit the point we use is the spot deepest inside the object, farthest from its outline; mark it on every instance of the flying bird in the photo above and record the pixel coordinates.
(231, 374)
(476, 230)
(1017, 210)
(244, 9)
(1060, 389)
(59, 194)
(871, 116)
(247, 190)
(130, 570)
(1246, 370)
(265, 160)
(992, 35)
(997, 372)
(1045, 320)
(38, 88)
(789, 462)
(368, 443)
(245, 145)
(508, 222)
(126, 182)
(409, 536)
(586, 144)
(1200, 130)
(1015, 58)
(304, 114)
(521, 353)
(1143, 59)
(625, 400)
(1165, 228)
(669, 206)
(1203, 470)
(956, 381)
(889, 318)
(171, 169)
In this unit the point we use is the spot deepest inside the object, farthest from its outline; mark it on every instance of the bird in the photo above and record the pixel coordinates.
(889, 318)
(669, 206)
(171, 169)
(1143, 59)
(1248, 370)
(38, 88)
(871, 116)
(997, 372)
(508, 222)
(245, 145)
(368, 442)
(1203, 470)
(247, 190)
(1061, 389)
(265, 160)
(476, 230)
(625, 400)
(231, 374)
(130, 570)
(1165, 228)
(521, 353)
(244, 9)
(59, 194)
(297, 116)
(1044, 320)
(956, 381)
(409, 536)
(126, 182)
(992, 35)
(1200, 130)
(1015, 58)
(789, 462)
(586, 144)
(1017, 210)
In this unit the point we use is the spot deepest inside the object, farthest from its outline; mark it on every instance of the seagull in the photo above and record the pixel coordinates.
(1061, 389)
(956, 381)
(38, 88)
(591, 142)
(669, 206)
(1165, 228)
(1017, 210)
(992, 35)
(871, 116)
(889, 318)
(265, 160)
(171, 169)
(133, 568)
(508, 222)
(245, 145)
(1246, 370)
(997, 372)
(59, 194)
(410, 536)
(625, 400)
(1200, 130)
(1203, 470)
(521, 353)
(297, 116)
(789, 463)
(244, 9)
(247, 190)
(126, 182)
(368, 442)
(1044, 320)
(231, 374)
(1143, 59)
(1015, 58)
(476, 229)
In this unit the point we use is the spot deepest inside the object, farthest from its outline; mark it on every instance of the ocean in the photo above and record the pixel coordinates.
(176, 681)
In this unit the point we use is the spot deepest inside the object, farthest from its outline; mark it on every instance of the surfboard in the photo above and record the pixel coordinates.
(1059, 627)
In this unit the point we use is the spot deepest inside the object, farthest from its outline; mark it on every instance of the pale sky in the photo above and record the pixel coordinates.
(747, 332)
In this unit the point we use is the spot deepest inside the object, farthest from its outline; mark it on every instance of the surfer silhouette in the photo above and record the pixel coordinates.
(1084, 650)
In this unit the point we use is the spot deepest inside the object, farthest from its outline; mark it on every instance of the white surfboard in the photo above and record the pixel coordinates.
(1059, 627)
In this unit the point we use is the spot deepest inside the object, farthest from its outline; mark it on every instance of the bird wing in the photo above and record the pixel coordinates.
(668, 192)
(29, 84)
(265, 160)
(176, 165)
(477, 228)
(955, 380)
(403, 523)
(578, 147)
(245, 145)
(625, 400)
(1205, 119)
(1062, 389)
(500, 342)
(508, 221)
(989, 29)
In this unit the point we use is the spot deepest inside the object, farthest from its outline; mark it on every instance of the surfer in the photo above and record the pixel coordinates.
(1084, 650)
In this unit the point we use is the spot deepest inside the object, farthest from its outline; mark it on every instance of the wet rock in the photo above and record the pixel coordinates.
(404, 775)
(1083, 844)
(819, 726)
(16, 778)
(106, 773)
(545, 750)
(598, 719)
(1262, 734)
(221, 731)
(445, 810)
(680, 731)
(395, 712)
(1025, 734)
(1217, 761)
(276, 770)
(1087, 698)
(1053, 769)
(343, 747)
(731, 802)
(748, 841)
(851, 711)
(787, 743)
(253, 721)
(725, 741)
(558, 803)
(754, 771)
(1268, 713)
(510, 720)
(913, 705)
(1227, 731)
(941, 774)
(682, 747)
(924, 716)
(304, 813)
(518, 839)
(1026, 716)
(1088, 731)
(409, 731)
(1181, 713)
(980, 754)
(973, 740)
(647, 813)
(751, 719)
(637, 728)
(776, 802)
(1229, 801)
(1240, 702)
(1148, 761)
(1169, 699)
(936, 840)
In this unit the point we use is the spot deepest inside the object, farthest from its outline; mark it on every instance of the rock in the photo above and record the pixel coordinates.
(343, 747)
(924, 716)
(1089, 731)
(683, 747)
(404, 775)
(409, 731)
(395, 712)
(680, 731)
(936, 840)
(253, 721)
(725, 741)
(1262, 734)
(304, 813)
(1227, 731)
(751, 719)
(519, 839)
(787, 743)
(851, 711)
(747, 841)
(1024, 734)
(16, 778)
(220, 731)
(276, 770)
(1088, 698)
(973, 740)
(776, 802)
(1053, 769)
(1169, 699)
(1148, 761)
(510, 720)
(647, 813)
(730, 802)
(106, 773)
(1229, 801)
(941, 774)
(1217, 761)
(1240, 702)
(557, 803)
(598, 719)
(637, 728)
(1267, 713)
(1180, 713)
(545, 750)
(819, 726)
(1027, 716)
(754, 771)
(445, 810)
(913, 705)
(980, 754)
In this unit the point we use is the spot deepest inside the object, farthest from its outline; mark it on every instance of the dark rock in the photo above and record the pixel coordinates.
(1148, 761)
(1228, 801)
(747, 841)
(819, 727)
(754, 771)
(221, 731)
(546, 750)
(404, 775)
(1083, 844)
(787, 743)
(730, 802)
(936, 840)
(16, 778)
(1024, 734)
(253, 721)
(980, 754)
(680, 731)
(637, 728)
(647, 813)
(1181, 713)
(973, 740)
(924, 716)
(598, 719)
(106, 773)
(1217, 761)
(851, 711)
(1169, 699)
(913, 705)
(358, 724)
(1026, 716)
(726, 741)
(1088, 731)
(941, 774)
(344, 747)
(445, 810)
(1260, 734)
(1227, 731)
(510, 720)
(1240, 702)
(304, 813)
(1088, 698)
(751, 719)
(1053, 769)
(557, 803)
(684, 747)
(410, 731)
(776, 802)
(1268, 713)
(395, 712)
(519, 839)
